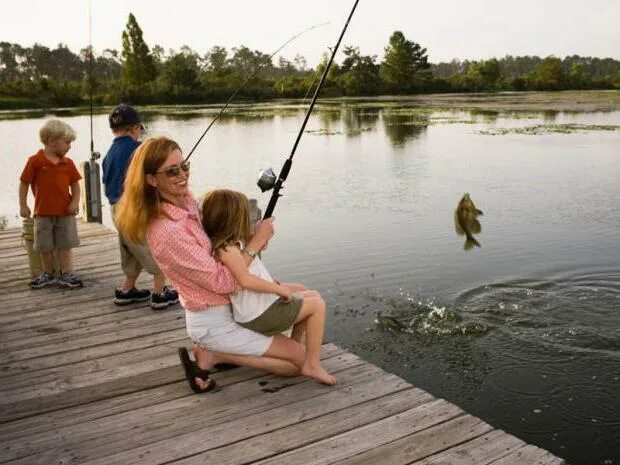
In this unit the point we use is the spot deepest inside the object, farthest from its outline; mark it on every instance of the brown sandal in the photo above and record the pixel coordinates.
(192, 371)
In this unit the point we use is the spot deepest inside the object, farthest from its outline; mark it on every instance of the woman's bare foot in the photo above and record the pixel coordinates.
(205, 360)
(318, 372)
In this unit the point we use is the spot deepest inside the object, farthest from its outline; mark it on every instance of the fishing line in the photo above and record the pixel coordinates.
(316, 74)
(254, 73)
(268, 174)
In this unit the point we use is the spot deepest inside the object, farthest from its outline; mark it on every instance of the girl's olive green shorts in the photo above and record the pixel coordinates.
(278, 317)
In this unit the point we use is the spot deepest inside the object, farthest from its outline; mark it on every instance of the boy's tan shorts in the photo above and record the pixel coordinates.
(55, 232)
(135, 257)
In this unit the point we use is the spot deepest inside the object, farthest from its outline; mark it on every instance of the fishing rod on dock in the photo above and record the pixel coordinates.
(251, 76)
(90, 168)
(93, 155)
(267, 178)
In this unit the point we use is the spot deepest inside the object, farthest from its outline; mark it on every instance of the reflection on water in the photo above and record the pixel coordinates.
(356, 121)
(402, 127)
(549, 116)
(486, 116)
(524, 332)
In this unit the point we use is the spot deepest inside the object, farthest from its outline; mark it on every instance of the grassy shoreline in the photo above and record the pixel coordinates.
(577, 101)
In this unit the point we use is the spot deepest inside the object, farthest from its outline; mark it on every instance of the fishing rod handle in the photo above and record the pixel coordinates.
(272, 201)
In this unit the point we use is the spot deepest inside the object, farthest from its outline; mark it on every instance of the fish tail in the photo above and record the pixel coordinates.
(470, 243)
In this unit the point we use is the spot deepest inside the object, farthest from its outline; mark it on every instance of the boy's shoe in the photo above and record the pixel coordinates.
(44, 279)
(68, 279)
(132, 295)
(165, 298)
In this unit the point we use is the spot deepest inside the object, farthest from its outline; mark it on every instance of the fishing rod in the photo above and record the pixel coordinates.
(254, 73)
(92, 178)
(93, 155)
(267, 178)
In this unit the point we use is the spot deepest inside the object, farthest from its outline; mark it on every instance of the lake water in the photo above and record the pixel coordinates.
(523, 332)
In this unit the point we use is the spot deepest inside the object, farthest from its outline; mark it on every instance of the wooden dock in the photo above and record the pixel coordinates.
(86, 382)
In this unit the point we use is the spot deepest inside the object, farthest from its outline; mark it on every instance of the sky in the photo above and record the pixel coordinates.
(462, 29)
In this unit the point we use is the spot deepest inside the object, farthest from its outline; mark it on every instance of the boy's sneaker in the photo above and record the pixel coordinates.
(44, 279)
(132, 295)
(165, 298)
(68, 279)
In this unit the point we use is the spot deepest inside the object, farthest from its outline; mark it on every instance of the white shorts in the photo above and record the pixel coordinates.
(214, 329)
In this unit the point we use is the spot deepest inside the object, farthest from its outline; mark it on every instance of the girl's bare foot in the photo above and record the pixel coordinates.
(318, 372)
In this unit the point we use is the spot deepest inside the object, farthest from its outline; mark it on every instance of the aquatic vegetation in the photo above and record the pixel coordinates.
(328, 132)
(549, 128)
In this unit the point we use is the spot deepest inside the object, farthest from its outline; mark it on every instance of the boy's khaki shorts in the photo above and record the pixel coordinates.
(55, 232)
(135, 257)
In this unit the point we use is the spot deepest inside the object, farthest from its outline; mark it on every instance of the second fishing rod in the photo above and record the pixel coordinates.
(242, 85)
(267, 178)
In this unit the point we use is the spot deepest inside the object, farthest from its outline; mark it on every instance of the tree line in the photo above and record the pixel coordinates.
(37, 76)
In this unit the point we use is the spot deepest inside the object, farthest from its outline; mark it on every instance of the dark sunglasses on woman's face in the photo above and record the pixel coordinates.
(175, 170)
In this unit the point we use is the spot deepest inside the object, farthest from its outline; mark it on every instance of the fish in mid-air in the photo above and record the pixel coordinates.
(466, 221)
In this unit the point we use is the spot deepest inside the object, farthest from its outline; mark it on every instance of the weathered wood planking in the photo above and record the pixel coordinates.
(86, 382)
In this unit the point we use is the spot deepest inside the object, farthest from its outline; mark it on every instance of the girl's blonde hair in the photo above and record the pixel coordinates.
(226, 217)
(56, 129)
(139, 204)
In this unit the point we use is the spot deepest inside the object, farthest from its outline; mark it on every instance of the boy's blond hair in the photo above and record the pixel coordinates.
(56, 129)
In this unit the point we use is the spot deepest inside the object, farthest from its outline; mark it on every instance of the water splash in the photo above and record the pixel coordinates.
(428, 319)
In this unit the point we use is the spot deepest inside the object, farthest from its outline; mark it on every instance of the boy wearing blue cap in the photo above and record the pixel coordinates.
(127, 127)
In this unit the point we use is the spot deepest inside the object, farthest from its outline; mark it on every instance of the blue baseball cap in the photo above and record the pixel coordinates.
(123, 115)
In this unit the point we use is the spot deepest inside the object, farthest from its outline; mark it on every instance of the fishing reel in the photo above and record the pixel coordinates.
(266, 179)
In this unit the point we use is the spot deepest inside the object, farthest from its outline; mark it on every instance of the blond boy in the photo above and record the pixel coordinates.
(53, 178)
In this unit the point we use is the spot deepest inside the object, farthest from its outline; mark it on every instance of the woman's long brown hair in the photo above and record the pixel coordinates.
(226, 217)
(139, 204)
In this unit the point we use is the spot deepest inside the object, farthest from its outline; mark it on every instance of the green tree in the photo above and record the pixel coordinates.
(548, 75)
(360, 74)
(244, 62)
(576, 75)
(179, 77)
(483, 75)
(217, 60)
(405, 67)
(9, 65)
(138, 69)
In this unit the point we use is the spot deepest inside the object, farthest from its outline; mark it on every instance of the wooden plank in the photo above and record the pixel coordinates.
(63, 365)
(85, 305)
(315, 429)
(152, 427)
(529, 455)
(368, 437)
(132, 314)
(317, 400)
(106, 407)
(482, 450)
(87, 332)
(89, 341)
(422, 444)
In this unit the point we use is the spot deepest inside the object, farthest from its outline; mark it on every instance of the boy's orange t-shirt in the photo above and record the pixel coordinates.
(50, 183)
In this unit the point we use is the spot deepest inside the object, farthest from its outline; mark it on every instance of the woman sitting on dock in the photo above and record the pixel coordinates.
(156, 204)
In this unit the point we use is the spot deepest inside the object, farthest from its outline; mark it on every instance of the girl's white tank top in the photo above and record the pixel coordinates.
(248, 305)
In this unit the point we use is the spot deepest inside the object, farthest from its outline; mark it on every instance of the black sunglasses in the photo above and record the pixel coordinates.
(174, 171)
